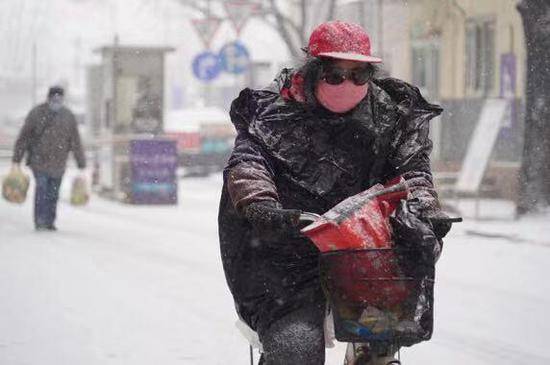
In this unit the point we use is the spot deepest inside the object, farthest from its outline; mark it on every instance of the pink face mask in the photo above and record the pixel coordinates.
(340, 98)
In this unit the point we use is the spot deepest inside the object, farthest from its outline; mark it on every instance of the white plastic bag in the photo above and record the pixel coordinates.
(15, 186)
(79, 191)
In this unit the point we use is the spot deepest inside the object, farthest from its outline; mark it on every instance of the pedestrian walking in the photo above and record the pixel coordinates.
(49, 134)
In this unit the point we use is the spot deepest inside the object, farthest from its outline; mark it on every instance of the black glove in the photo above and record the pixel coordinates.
(439, 221)
(268, 215)
(412, 233)
(409, 229)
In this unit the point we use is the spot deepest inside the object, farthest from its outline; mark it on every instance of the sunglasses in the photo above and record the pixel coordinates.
(336, 76)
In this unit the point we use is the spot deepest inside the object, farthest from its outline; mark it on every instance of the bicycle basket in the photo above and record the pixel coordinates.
(380, 294)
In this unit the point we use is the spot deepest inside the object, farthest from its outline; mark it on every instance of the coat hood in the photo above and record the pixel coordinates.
(385, 95)
(309, 143)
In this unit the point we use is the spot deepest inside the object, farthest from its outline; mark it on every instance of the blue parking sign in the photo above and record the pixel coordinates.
(234, 58)
(206, 66)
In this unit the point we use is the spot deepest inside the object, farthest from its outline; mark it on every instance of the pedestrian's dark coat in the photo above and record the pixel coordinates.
(47, 137)
(310, 159)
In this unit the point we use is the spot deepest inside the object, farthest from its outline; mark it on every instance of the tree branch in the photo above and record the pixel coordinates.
(289, 31)
(522, 6)
(195, 5)
(282, 24)
(199, 5)
(303, 23)
(331, 10)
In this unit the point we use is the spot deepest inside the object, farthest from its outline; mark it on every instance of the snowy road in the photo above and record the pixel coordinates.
(122, 284)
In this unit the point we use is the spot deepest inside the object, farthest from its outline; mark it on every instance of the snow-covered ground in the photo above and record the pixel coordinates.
(122, 284)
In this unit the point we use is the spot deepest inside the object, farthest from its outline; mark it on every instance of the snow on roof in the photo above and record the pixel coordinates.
(191, 118)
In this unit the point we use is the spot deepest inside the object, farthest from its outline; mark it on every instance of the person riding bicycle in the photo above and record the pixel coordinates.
(320, 133)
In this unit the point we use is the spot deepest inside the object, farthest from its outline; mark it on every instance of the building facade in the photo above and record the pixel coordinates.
(387, 23)
(462, 53)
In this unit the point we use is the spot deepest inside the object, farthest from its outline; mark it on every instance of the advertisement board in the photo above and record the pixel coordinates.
(153, 166)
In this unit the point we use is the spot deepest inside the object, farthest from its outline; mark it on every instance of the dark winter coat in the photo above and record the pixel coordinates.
(310, 159)
(47, 137)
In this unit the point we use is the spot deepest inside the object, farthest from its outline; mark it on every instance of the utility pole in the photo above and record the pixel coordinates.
(34, 73)
(208, 91)
(77, 51)
(166, 16)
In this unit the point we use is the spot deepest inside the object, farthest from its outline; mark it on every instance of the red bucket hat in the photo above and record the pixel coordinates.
(341, 40)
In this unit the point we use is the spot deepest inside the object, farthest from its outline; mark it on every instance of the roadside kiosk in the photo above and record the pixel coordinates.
(135, 163)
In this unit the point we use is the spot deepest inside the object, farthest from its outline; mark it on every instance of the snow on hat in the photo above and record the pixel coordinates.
(341, 40)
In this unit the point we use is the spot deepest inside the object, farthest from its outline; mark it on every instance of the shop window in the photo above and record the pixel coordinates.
(425, 66)
(480, 55)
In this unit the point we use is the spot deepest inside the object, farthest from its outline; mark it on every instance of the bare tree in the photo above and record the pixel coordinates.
(293, 30)
(535, 169)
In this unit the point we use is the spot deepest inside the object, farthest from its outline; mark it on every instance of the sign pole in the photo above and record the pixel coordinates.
(239, 12)
(208, 90)
(34, 74)
(203, 66)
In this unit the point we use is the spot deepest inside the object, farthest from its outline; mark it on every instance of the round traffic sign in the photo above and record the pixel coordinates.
(206, 66)
(234, 58)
